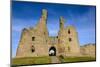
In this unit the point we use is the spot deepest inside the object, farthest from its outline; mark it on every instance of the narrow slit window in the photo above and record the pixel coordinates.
(70, 39)
(33, 38)
(69, 31)
(32, 49)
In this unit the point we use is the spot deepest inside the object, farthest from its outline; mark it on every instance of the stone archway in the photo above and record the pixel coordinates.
(52, 51)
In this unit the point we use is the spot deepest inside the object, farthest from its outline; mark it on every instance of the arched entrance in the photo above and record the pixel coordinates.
(52, 51)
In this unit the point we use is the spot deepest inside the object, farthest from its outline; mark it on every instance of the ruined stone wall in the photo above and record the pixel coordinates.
(61, 38)
(72, 40)
(68, 40)
(88, 50)
(34, 40)
(24, 44)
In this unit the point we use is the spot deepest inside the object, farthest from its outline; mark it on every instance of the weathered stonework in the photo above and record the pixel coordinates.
(88, 50)
(35, 41)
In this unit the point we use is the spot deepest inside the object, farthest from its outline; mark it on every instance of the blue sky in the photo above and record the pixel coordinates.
(27, 14)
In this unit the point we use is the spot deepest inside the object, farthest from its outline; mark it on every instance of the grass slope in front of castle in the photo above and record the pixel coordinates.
(47, 60)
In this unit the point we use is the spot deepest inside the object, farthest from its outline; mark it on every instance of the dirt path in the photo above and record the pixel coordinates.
(54, 59)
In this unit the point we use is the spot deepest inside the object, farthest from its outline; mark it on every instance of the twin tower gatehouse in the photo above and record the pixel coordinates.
(36, 42)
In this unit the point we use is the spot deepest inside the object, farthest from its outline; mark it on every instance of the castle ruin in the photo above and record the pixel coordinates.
(36, 42)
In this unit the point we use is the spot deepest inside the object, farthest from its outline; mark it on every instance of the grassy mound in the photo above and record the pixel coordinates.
(47, 60)
(31, 60)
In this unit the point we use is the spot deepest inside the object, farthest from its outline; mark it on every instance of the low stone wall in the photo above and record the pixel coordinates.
(88, 50)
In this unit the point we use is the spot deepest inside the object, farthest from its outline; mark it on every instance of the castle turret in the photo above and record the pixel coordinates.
(43, 21)
(61, 37)
(61, 23)
(44, 14)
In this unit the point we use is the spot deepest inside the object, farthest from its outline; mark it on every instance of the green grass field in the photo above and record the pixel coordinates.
(76, 59)
(31, 60)
(47, 60)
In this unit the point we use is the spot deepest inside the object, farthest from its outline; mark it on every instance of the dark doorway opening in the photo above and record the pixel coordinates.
(52, 51)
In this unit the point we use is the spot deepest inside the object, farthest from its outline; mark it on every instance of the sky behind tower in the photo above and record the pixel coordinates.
(27, 14)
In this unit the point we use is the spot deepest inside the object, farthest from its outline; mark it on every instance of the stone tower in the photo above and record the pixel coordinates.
(34, 40)
(61, 37)
(67, 40)
(72, 42)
